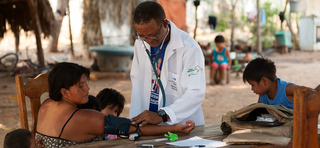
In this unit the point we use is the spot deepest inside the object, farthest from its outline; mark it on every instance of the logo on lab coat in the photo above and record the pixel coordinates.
(194, 71)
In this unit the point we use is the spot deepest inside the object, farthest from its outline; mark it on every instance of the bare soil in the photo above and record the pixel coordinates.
(301, 68)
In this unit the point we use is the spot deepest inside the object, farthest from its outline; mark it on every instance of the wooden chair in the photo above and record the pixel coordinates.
(33, 89)
(305, 120)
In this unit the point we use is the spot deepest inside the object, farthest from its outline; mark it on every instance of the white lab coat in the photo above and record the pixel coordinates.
(182, 75)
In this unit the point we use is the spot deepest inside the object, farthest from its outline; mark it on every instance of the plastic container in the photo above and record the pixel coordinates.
(283, 38)
(294, 5)
(113, 58)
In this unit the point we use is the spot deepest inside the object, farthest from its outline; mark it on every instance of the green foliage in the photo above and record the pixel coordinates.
(267, 31)
(223, 21)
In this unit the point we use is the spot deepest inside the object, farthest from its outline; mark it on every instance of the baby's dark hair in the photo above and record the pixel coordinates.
(20, 138)
(109, 96)
(258, 68)
(219, 39)
(93, 103)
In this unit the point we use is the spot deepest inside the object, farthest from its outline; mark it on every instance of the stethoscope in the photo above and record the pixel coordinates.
(154, 68)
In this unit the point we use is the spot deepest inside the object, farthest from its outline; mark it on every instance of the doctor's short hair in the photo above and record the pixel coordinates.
(65, 75)
(148, 10)
(109, 96)
(258, 68)
(20, 138)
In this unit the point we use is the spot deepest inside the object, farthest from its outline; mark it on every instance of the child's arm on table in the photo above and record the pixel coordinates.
(149, 129)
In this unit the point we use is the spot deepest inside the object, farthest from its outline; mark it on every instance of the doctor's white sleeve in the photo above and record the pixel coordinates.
(193, 83)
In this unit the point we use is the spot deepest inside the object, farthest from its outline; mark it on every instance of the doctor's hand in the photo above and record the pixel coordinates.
(146, 117)
(187, 128)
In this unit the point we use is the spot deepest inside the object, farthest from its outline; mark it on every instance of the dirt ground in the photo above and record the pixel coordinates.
(299, 67)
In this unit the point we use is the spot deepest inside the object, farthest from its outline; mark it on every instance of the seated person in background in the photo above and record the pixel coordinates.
(109, 102)
(260, 73)
(61, 123)
(20, 138)
(220, 60)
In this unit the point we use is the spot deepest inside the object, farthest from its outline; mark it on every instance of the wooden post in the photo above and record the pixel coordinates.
(232, 25)
(305, 120)
(70, 32)
(259, 46)
(16, 32)
(195, 28)
(284, 11)
(33, 6)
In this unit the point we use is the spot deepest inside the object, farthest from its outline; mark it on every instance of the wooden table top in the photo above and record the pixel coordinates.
(210, 131)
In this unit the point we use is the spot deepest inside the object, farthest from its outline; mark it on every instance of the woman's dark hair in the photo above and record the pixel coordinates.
(258, 68)
(20, 138)
(109, 96)
(219, 39)
(65, 75)
(146, 11)
(93, 103)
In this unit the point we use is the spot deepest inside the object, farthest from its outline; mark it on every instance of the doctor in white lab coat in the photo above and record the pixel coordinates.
(182, 73)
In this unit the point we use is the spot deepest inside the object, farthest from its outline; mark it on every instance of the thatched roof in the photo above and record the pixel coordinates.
(17, 15)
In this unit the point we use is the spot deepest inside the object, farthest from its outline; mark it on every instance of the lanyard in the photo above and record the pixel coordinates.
(157, 76)
(154, 68)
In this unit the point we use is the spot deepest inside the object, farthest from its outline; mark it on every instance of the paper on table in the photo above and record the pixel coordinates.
(318, 126)
(198, 141)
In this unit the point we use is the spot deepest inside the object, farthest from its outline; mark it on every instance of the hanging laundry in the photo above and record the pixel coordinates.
(212, 22)
(252, 14)
(263, 17)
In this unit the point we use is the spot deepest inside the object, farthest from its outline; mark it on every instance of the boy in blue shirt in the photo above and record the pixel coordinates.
(260, 73)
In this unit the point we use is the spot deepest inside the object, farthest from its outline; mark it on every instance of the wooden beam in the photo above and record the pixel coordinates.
(33, 6)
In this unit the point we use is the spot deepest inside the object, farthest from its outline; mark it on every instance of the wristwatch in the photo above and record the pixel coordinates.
(163, 115)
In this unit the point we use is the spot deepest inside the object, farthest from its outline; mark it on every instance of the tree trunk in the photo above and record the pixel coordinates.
(259, 46)
(91, 27)
(232, 25)
(33, 5)
(70, 33)
(293, 36)
(38, 36)
(196, 26)
(133, 29)
(55, 32)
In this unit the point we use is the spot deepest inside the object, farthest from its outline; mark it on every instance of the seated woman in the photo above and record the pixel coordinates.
(61, 123)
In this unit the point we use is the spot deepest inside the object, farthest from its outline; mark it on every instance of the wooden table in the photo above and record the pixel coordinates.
(211, 132)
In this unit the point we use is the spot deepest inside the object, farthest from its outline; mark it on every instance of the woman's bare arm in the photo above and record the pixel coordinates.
(149, 129)
(95, 125)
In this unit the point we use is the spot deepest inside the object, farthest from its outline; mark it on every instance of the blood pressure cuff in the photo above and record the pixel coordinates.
(112, 122)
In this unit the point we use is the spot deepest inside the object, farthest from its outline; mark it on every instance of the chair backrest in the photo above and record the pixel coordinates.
(33, 89)
(305, 117)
